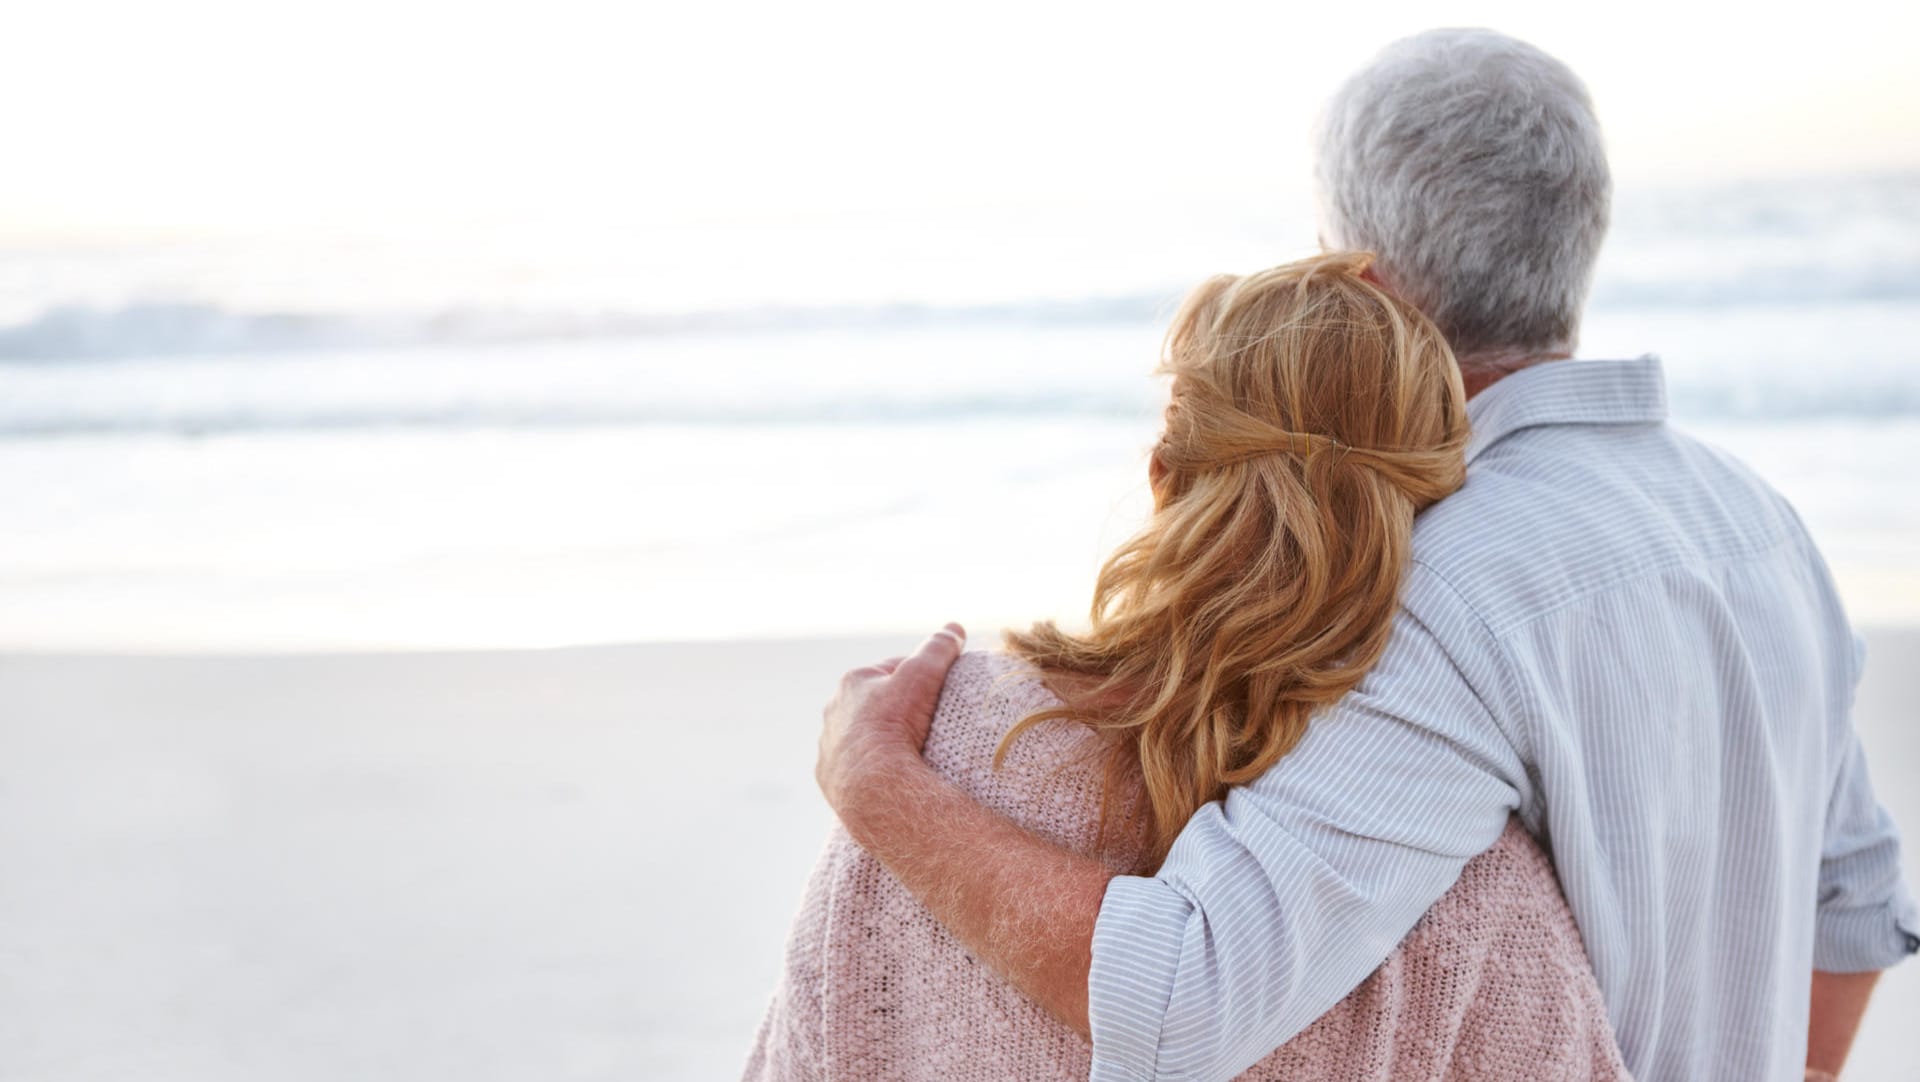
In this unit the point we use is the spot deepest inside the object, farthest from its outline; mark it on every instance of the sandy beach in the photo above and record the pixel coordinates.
(554, 865)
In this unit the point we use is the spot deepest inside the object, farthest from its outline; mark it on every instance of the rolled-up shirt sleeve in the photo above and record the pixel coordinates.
(1865, 919)
(1276, 902)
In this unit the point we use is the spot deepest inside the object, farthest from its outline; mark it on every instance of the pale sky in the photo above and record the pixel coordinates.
(127, 117)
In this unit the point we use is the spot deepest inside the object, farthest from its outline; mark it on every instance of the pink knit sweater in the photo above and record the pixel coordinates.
(1492, 984)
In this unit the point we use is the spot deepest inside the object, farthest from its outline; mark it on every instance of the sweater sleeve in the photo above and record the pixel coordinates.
(791, 1044)
(873, 986)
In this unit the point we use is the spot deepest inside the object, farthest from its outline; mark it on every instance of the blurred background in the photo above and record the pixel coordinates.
(334, 338)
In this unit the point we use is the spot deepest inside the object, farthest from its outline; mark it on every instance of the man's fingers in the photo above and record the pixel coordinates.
(936, 655)
(869, 672)
(947, 643)
(920, 674)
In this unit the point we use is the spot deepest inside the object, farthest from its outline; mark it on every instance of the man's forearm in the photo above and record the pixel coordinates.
(1022, 905)
(1839, 999)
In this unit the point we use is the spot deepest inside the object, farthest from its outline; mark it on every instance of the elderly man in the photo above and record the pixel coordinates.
(1612, 629)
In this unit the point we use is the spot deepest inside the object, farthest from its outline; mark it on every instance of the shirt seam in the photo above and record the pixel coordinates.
(1662, 570)
(1515, 732)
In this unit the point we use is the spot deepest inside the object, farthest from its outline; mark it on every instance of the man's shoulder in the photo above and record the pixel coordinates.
(1554, 515)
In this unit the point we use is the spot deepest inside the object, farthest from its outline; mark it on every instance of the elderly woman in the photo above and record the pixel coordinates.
(1312, 415)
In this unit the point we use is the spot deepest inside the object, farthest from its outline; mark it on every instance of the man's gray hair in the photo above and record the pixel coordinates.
(1471, 164)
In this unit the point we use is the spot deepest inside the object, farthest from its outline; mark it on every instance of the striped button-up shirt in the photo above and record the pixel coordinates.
(1630, 639)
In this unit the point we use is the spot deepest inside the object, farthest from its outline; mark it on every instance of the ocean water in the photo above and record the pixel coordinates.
(526, 436)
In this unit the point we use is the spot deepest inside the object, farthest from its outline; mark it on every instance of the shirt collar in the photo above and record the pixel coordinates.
(1567, 393)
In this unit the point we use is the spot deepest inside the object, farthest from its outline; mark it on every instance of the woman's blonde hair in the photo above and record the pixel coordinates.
(1312, 414)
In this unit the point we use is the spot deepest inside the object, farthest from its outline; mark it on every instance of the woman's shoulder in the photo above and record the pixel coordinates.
(986, 694)
(1049, 780)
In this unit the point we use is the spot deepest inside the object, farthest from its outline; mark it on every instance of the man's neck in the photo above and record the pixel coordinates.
(1482, 370)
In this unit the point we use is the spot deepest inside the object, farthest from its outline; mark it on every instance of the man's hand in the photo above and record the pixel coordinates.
(1021, 904)
(879, 715)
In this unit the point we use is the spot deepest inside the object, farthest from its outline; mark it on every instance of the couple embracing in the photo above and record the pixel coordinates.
(1452, 715)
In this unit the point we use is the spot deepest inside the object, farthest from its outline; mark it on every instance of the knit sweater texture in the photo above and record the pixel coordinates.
(1492, 984)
